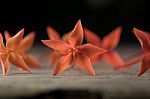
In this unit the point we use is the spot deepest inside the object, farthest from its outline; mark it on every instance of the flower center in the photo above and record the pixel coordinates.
(74, 49)
(7, 51)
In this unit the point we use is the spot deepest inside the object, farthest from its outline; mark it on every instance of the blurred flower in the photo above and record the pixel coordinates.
(24, 46)
(109, 42)
(9, 53)
(144, 39)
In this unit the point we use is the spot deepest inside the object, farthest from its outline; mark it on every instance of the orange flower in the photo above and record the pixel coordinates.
(72, 52)
(144, 39)
(9, 53)
(109, 42)
(24, 46)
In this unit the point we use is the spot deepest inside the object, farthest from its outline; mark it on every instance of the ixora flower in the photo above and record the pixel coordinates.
(24, 46)
(72, 52)
(109, 42)
(9, 53)
(144, 39)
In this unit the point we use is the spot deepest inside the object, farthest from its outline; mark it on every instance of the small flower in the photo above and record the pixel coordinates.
(109, 42)
(144, 39)
(9, 53)
(72, 52)
(24, 46)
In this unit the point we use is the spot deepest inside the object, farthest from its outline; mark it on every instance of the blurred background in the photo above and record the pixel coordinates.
(100, 16)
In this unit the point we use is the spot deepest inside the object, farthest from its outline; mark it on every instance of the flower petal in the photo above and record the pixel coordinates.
(54, 57)
(145, 65)
(111, 40)
(113, 58)
(84, 63)
(31, 61)
(2, 47)
(18, 61)
(7, 35)
(26, 43)
(92, 37)
(75, 37)
(52, 33)
(143, 38)
(128, 64)
(137, 55)
(4, 62)
(65, 37)
(91, 50)
(64, 62)
(60, 46)
(14, 41)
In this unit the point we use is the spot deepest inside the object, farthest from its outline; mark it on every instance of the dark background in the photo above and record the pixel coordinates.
(101, 16)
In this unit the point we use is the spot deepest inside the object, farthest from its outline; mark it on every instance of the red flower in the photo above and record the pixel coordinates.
(144, 39)
(109, 42)
(72, 52)
(9, 53)
(24, 46)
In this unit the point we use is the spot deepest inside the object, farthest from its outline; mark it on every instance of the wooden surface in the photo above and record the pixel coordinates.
(107, 84)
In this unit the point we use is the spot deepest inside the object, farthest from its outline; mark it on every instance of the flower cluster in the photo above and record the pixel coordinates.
(69, 50)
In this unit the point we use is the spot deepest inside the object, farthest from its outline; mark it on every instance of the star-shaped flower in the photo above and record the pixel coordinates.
(9, 53)
(109, 42)
(144, 39)
(72, 52)
(24, 46)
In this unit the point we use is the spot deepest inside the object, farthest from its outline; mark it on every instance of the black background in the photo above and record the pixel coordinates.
(101, 16)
